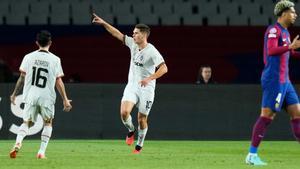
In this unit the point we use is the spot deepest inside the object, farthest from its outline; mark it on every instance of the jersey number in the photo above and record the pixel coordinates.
(38, 79)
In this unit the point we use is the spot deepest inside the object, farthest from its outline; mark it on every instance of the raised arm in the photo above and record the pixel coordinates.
(18, 88)
(62, 91)
(112, 30)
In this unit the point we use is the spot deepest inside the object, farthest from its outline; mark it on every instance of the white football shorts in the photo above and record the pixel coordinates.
(32, 111)
(142, 97)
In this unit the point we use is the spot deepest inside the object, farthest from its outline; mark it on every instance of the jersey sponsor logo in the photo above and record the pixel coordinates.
(138, 61)
(272, 35)
(138, 64)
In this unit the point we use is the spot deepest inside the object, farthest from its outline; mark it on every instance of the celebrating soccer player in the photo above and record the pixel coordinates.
(139, 90)
(277, 89)
(40, 72)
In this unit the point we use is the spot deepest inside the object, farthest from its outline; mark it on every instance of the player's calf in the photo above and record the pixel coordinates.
(295, 124)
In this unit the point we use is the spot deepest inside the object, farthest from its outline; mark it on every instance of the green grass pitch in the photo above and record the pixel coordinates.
(115, 154)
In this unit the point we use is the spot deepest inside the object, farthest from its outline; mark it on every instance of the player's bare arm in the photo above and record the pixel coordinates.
(18, 88)
(295, 44)
(62, 91)
(162, 69)
(112, 30)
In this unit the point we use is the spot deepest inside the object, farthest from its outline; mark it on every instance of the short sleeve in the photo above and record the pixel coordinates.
(273, 33)
(59, 71)
(129, 41)
(157, 58)
(24, 65)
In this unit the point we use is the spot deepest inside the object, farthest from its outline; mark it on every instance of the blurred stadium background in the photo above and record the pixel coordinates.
(226, 34)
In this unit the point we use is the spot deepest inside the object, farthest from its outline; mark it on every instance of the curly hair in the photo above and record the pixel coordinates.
(282, 6)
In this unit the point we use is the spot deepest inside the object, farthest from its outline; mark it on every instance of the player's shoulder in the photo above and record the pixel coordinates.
(53, 56)
(152, 48)
(30, 55)
(273, 31)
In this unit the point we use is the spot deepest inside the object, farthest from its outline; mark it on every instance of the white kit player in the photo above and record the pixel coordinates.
(139, 91)
(40, 71)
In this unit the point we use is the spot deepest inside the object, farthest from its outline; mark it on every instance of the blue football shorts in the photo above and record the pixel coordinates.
(277, 95)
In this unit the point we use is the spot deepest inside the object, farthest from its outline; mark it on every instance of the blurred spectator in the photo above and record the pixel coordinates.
(6, 74)
(205, 75)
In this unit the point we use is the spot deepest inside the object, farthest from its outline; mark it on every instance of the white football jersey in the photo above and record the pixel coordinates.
(143, 62)
(42, 69)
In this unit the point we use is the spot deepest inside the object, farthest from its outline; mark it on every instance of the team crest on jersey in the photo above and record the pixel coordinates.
(141, 58)
(273, 30)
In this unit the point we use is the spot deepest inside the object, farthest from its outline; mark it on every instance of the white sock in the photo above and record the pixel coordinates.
(141, 136)
(128, 124)
(253, 154)
(45, 137)
(23, 131)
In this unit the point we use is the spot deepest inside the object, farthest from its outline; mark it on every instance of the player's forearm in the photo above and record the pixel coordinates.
(19, 85)
(61, 89)
(163, 69)
(113, 31)
(274, 49)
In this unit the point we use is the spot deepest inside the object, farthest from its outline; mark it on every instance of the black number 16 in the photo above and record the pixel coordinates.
(38, 79)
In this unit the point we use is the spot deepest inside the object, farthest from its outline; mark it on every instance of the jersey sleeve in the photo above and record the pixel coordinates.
(273, 36)
(157, 58)
(129, 41)
(24, 65)
(59, 70)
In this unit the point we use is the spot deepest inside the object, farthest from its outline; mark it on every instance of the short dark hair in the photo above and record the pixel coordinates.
(204, 66)
(143, 28)
(43, 38)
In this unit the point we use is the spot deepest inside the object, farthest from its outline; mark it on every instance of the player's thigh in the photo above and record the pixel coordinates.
(146, 99)
(292, 102)
(126, 107)
(30, 112)
(273, 97)
(47, 113)
(128, 101)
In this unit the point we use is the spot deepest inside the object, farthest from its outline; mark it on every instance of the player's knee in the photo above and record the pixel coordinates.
(142, 122)
(29, 123)
(48, 122)
(267, 113)
(124, 114)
